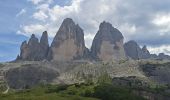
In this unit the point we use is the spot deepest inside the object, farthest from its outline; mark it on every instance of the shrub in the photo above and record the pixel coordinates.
(52, 89)
(104, 78)
(88, 93)
(109, 92)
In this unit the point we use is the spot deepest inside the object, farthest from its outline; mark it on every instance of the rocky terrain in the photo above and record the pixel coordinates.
(30, 73)
(68, 61)
(69, 45)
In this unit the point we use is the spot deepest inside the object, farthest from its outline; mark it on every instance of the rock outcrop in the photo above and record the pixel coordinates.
(163, 56)
(134, 51)
(145, 53)
(44, 45)
(108, 43)
(68, 43)
(30, 75)
(34, 50)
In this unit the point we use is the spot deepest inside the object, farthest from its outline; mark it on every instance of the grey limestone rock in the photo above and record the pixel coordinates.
(134, 51)
(34, 50)
(108, 43)
(68, 44)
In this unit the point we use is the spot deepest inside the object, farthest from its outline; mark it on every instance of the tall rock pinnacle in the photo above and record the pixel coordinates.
(68, 43)
(44, 39)
(108, 43)
(44, 45)
(134, 51)
(145, 52)
(35, 50)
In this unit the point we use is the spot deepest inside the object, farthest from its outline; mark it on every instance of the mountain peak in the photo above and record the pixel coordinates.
(33, 36)
(144, 47)
(105, 25)
(68, 22)
(68, 43)
(44, 39)
(33, 40)
(107, 42)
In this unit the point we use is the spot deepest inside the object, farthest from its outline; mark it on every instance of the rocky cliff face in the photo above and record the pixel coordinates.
(34, 50)
(68, 43)
(29, 76)
(44, 45)
(108, 43)
(163, 56)
(133, 51)
(145, 52)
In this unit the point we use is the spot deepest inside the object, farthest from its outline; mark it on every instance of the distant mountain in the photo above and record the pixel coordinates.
(34, 50)
(69, 45)
(134, 51)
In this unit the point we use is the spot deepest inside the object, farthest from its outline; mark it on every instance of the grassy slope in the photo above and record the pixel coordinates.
(39, 93)
(72, 92)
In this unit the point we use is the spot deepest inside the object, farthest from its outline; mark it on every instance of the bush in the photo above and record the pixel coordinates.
(72, 90)
(104, 78)
(52, 89)
(88, 93)
(109, 92)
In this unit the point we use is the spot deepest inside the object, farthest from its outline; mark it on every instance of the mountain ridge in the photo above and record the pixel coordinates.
(69, 45)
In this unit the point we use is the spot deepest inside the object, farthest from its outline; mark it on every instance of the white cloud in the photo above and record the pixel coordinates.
(87, 14)
(88, 39)
(23, 11)
(40, 16)
(36, 2)
(162, 19)
(43, 7)
(126, 28)
(157, 50)
(34, 28)
(145, 25)
(163, 22)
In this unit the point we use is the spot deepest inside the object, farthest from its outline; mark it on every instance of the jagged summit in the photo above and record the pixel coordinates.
(144, 49)
(68, 22)
(106, 29)
(68, 45)
(44, 45)
(44, 39)
(34, 50)
(134, 51)
(105, 25)
(108, 43)
(33, 40)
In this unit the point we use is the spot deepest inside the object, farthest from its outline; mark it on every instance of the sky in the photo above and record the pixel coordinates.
(145, 21)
